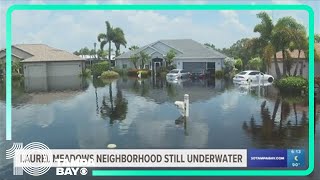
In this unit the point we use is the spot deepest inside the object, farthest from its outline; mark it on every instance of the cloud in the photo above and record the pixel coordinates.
(232, 19)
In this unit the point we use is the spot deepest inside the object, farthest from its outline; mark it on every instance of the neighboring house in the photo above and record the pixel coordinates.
(190, 55)
(40, 60)
(303, 62)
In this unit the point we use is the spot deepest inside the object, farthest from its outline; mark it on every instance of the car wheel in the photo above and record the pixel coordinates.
(270, 79)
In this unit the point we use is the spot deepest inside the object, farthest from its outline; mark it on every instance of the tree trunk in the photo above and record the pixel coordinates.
(277, 66)
(109, 52)
(284, 64)
(275, 109)
(297, 64)
(295, 112)
(301, 68)
(111, 97)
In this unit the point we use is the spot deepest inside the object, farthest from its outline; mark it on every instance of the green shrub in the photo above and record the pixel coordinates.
(238, 64)
(292, 84)
(86, 73)
(219, 74)
(16, 76)
(109, 75)
(99, 68)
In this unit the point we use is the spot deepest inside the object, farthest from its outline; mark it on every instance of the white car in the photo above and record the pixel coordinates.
(251, 76)
(177, 74)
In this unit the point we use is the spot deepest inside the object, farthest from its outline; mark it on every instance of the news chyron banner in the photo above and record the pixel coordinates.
(37, 159)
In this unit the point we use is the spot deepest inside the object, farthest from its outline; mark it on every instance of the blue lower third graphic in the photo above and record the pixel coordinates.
(267, 158)
(296, 158)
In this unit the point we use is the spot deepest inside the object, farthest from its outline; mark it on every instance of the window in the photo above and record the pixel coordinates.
(124, 66)
(254, 73)
(243, 73)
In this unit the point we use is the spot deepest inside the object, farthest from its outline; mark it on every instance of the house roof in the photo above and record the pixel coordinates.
(42, 52)
(188, 48)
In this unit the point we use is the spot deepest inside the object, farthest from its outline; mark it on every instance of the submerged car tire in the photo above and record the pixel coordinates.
(270, 79)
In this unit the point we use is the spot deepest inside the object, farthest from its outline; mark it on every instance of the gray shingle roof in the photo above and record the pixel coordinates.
(188, 48)
(42, 52)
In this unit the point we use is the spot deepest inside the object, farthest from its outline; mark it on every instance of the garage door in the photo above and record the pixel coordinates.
(64, 69)
(35, 69)
(191, 66)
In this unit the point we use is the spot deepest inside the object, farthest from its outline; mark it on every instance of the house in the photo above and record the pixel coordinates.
(302, 60)
(40, 60)
(190, 55)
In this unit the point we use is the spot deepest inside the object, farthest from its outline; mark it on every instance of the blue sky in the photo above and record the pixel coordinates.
(71, 30)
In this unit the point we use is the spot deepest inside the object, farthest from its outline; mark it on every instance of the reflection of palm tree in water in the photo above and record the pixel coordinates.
(269, 134)
(117, 109)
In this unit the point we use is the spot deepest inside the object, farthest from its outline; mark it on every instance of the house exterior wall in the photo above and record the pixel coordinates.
(272, 69)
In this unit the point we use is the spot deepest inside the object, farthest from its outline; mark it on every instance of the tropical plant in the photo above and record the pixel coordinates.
(255, 63)
(109, 75)
(267, 40)
(118, 39)
(134, 59)
(144, 59)
(16, 66)
(99, 68)
(106, 37)
(238, 64)
(102, 54)
(292, 84)
(134, 47)
(169, 57)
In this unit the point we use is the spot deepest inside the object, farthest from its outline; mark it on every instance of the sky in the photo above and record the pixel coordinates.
(72, 30)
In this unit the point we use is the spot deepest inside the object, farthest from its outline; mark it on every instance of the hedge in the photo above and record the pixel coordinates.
(99, 68)
(109, 75)
(292, 84)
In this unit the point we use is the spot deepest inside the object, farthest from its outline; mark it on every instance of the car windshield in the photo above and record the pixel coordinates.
(243, 73)
(174, 71)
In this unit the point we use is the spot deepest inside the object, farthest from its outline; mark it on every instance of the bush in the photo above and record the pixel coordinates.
(292, 84)
(99, 68)
(86, 73)
(238, 64)
(16, 76)
(144, 73)
(219, 74)
(109, 75)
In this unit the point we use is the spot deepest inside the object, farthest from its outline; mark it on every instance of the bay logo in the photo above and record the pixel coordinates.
(71, 171)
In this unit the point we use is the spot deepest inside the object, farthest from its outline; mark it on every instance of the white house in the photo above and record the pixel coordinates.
(190, 55)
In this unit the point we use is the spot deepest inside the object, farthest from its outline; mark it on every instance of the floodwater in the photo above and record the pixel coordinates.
(72, 113)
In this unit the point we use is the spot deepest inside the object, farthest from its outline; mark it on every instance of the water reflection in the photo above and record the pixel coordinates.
(274, 130)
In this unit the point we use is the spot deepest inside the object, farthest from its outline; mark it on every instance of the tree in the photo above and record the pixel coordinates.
(107, 37)
(102, 54)
(144, 58)
(134, 59)
(255, 63)
(266, 39)
(238, 64)
(134, 47)
(283, 34)
(118, 39)
(317, 38)
(169, 57)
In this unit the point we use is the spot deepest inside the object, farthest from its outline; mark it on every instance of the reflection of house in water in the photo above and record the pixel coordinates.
(162, 91)
(48, 84)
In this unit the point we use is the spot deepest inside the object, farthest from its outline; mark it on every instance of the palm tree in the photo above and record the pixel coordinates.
(283, 34)
(300, 42)
(118, 39)
(144, 58)
(134, 47)
(266, 38)
(107, 37)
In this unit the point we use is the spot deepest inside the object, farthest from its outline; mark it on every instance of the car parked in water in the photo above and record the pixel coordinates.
(198, 74)
(252, 75)
(178, 74)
